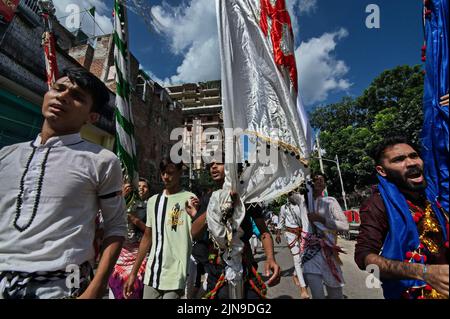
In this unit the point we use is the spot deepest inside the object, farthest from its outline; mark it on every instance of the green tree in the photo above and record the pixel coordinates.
(391, 105)
(335, 116)
(276, 204)
(391, 89)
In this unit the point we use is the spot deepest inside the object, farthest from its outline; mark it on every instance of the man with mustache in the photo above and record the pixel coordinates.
(404, 230)
(294, 222)
(51, 191)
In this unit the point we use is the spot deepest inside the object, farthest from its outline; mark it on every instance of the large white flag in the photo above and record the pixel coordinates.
(259, 91)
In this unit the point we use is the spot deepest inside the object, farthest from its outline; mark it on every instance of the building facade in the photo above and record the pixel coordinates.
(203, 125)
(155, 114)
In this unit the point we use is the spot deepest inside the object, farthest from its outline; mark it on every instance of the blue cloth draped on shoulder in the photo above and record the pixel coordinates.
(403, 235)
(255, 228)
(435, 137)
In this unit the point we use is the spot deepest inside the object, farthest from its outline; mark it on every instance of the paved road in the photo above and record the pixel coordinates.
(355, 279)
(355, 287)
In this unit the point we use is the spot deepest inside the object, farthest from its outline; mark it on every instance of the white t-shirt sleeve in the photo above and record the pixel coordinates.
(111, 200)
(150, 211)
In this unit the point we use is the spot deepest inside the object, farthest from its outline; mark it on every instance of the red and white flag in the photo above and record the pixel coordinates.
(259, 91)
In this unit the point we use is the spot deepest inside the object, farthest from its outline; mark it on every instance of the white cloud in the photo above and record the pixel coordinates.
(202, 62)
(307, 6)
(103, 15)
(298, 8)
(291, 7)
(155, 78)
(187, 24)
(319, 71)
(192, 32)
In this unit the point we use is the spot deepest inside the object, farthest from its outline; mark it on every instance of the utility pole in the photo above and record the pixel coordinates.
(342, 184)
(319, 151)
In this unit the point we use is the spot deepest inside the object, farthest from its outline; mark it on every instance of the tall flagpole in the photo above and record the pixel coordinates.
(126, 146)
(259, 92)
(319, 152)
(47, 10)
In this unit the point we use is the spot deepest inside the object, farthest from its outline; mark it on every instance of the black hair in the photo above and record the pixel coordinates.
(213, 160)
(166, 161)
(90, 83)
(209, 165)
(142, 179)
(315, 175)
(378, 151)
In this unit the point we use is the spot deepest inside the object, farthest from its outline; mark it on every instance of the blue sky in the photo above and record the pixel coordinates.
(337, 55)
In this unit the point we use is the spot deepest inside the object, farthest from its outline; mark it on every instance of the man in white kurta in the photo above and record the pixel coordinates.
(294, 222)
(50, 192)
(321, 264)
(274, 221)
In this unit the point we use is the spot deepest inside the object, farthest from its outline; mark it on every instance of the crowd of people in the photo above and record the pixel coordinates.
(159, 247)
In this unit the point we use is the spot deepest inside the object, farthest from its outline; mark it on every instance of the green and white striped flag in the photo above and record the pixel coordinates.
(126, 146)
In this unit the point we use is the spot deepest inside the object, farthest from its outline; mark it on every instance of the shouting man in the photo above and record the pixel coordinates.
(403, 230)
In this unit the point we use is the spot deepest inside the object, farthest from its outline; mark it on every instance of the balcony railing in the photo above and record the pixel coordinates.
(30, 10)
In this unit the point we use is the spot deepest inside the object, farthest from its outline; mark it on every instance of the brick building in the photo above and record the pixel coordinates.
(202, 110)
(155, 114)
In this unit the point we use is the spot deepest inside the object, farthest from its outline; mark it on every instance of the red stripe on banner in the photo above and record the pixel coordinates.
(50, 58)
(279, 17)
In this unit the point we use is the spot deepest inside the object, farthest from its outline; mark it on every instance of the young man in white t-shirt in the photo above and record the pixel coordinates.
(168, 237)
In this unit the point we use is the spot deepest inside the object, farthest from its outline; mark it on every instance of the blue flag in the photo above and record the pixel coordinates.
(435, 137)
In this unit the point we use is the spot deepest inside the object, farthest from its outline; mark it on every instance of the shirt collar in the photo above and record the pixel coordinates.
(55, 141)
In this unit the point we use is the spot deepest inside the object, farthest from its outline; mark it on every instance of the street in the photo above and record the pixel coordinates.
(355, 279)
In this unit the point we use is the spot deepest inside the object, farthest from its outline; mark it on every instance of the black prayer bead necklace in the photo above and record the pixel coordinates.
(19, 201)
